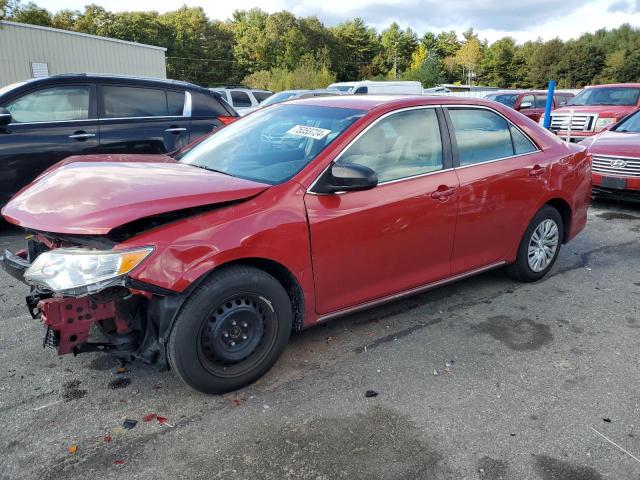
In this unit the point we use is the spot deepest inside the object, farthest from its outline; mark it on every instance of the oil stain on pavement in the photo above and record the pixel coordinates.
(70, 390)
(379, 443)
(551, 468)
(519, 335)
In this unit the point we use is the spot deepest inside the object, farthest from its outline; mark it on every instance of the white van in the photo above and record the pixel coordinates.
(374, 87)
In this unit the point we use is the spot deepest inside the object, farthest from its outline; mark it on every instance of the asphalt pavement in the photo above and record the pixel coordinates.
(483, 379)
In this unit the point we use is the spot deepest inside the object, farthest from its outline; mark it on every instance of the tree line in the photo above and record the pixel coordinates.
(281, 50)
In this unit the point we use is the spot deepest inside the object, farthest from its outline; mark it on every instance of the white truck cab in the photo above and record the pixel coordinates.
(378, 87)
(243, 100)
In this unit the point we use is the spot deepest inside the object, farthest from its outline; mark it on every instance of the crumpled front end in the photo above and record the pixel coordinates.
(115, 315)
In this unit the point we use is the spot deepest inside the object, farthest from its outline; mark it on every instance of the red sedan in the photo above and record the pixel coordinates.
(291, 216)
(616, 160)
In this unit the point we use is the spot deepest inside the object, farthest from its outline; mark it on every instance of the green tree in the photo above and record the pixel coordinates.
(501, 64)
(397, 48)
(357, 45)
(28, 13)
(425, 68)
(469, 56)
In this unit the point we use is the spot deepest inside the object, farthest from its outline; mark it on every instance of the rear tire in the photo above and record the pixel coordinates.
(231, 330)
(539, 247)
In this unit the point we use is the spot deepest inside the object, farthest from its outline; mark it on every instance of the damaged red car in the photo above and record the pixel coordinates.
(208, 260)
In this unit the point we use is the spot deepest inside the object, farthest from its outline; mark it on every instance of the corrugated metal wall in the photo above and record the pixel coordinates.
(66, 52)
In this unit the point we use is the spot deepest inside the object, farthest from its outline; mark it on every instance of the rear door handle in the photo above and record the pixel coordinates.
(82, 135)
(443, 192)
(176, 130)
(537, 170)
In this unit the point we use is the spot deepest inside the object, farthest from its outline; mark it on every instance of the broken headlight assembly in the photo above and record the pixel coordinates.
(76, 271)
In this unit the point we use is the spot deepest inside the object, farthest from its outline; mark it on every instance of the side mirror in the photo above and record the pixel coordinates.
(348, 177)
(525, 105)
(5, 116)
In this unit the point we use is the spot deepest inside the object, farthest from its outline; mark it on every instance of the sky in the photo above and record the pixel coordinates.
(492, 19)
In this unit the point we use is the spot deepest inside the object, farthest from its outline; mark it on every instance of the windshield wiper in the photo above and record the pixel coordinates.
(209, 169)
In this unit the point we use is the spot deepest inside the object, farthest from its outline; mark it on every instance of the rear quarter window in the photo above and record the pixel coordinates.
(207, 105)
(482, 135)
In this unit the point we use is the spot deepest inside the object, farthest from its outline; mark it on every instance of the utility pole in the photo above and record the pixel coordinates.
(395, 62)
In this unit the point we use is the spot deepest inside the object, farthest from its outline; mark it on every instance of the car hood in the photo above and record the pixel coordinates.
(616, 144)
(91, 195)
(603, 111)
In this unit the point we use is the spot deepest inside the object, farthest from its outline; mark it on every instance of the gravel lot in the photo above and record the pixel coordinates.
(536, 368)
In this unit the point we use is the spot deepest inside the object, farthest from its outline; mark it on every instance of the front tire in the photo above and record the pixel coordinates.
(231, 330)
(539, 247)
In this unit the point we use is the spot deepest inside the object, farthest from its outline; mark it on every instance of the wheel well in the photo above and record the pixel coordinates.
(286, 279)
(565, 212)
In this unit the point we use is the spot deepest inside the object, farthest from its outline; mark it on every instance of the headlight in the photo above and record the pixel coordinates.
(603, 122)
(77, 271)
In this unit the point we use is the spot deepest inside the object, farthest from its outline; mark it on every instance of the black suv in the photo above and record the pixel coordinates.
(45, 120)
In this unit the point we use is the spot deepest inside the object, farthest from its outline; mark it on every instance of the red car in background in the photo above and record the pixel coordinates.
(530, 103)
(595, 109)
(291, 216)
(616, 160)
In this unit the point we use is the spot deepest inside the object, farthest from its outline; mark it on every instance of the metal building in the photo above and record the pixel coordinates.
(30, 51)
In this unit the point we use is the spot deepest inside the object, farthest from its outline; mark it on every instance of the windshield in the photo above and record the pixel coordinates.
(506, 99)
(631, 124)
(341, 88)
(277, 98)
(271, 145)
(606, 96)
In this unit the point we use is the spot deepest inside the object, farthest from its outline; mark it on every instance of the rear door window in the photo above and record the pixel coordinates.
(207, 105)
(54, 104)
(482, 135)
(240, 99)
(126, 102)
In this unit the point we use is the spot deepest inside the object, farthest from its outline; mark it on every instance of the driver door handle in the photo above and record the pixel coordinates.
(443, 192)
(82, 135)
(537, 170)
(176, 130)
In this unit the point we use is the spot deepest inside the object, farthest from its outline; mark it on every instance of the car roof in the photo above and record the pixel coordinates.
(516, 92)
(370, 102)
(111, 78)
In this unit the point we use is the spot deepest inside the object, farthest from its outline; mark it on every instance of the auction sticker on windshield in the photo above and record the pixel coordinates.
(311, 132)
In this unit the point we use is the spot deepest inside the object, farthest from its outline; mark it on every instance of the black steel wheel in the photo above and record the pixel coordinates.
(231, 330)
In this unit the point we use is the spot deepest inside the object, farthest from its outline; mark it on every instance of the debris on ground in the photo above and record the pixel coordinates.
(448, 368)
(149, 417)
(328, 340)
(119, 462)
(119, 382)
(129, 424)
(122, 370)
(608, 420)
(72, 449)
(163, 421)
(370, 394)
(106, 438)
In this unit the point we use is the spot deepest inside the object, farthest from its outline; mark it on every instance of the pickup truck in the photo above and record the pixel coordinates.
(595, 109)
